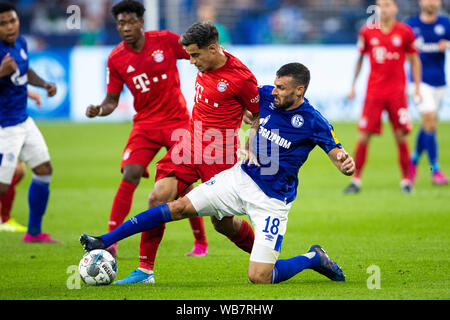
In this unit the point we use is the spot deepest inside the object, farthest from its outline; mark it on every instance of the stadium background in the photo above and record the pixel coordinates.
(264, 34)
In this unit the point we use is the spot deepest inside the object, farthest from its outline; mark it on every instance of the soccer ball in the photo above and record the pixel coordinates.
(97, 267)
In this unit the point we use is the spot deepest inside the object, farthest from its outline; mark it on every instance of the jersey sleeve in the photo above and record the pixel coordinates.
(410, 39)
(248, 95)
(362, 41)
(177, 48)
(324, 135)
(114, 83)
(447, 29)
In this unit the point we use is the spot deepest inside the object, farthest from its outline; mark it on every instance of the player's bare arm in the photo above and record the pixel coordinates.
(7, 66)
(443, 45)
(37, 81)
(108, 105)
(416, 70)
(359, 63)
(342, 160)
(249, 146)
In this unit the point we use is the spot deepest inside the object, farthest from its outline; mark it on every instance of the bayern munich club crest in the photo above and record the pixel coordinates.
(222, 85)
(158, 56)
(297, 121)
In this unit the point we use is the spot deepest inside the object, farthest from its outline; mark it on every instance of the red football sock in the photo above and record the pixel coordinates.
(121, 204)
(7, 200)
(150, 241)
(403, 159)
(360, 158)
(198, 228)
(245, 237)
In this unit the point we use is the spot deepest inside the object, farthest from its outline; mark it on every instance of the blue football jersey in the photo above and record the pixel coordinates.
(427, 37)
(283, 143)
(13, 88)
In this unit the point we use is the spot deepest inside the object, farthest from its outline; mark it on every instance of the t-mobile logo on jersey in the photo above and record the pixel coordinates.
(142, 82)
(381, 54)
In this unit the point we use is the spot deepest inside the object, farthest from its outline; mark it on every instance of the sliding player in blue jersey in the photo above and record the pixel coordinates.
(20, 138)
(432, 40)
(264, 185)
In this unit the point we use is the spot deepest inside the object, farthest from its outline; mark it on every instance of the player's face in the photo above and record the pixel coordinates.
(388, 9)
(286, 93)
(203, 58)
(430, 6)
(9, 27)
(130, 27)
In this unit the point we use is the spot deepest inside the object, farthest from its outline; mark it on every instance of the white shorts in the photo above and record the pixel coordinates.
(232, 192)
(21, 142)
(432, 98)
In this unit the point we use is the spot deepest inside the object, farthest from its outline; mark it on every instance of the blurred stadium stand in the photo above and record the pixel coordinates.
(248, 22)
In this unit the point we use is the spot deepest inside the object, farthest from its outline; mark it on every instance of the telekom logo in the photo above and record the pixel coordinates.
(142, 82)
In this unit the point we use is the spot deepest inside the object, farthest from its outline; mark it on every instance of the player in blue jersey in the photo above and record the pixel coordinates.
(432, 40)
(264, 185)
(19, 136)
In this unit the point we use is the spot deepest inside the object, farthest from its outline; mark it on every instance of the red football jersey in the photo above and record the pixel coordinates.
(387, 54)
(221, 96)
(152, 77)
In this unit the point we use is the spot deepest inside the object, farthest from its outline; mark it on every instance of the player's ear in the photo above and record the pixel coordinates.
(213, 48)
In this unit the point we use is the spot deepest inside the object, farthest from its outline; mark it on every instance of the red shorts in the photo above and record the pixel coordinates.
(187, 174)
(144, 143)
(396, 107)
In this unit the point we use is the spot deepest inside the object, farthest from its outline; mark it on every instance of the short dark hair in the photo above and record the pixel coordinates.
(6, 6)
(200, 33)
(297, 71)
(128, 6)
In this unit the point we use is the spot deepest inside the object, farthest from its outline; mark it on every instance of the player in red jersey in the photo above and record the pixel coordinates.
(225, 88)
(146, 63)
(388, 45)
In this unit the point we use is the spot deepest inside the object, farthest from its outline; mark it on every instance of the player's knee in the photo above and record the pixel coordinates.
(44, 169)
(178, 209)
(258, 277)
(3, 188)
(133, 173)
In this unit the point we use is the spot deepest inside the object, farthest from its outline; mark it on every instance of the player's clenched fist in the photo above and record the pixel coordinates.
(347, 165)
(93, 111)
(8, 65)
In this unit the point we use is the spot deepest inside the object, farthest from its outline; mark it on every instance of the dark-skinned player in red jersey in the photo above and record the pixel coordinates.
(146, 63)
(225, 88)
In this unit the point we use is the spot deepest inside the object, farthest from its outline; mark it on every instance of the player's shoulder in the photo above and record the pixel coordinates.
(314, 116)
(413, 21)
(118, 51)
(445, 20)
(403, 27)
(159, 34)
(238, 69)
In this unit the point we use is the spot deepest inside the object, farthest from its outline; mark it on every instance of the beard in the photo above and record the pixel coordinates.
(287, 103)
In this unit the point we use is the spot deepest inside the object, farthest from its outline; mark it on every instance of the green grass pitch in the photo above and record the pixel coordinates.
(405, 236)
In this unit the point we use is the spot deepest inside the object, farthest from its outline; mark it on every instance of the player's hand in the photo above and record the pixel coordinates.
(51, 89)
(351, 95)
(346, 163)
(248, 117)
(8, 65)
(417, 97)
(251, 158)
(92, 111)
(35, 97)
(443, 45)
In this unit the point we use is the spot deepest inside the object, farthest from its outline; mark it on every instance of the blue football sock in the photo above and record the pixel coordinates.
(420, 146)
(38, 194)
(287, 268)
(146, 220)
(432, 150)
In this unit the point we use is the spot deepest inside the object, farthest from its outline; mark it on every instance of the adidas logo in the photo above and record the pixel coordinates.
(130, 69)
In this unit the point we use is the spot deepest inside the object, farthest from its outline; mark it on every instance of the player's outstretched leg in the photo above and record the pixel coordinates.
(327, 267)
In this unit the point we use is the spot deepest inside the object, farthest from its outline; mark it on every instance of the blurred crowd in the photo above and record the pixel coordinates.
(239, 21)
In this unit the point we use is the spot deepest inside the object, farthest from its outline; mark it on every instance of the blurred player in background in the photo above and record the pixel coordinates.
(254, 188)
(146, 63)
(432, 39)
(6, 201)
(224, 87)
(387, 45)
(19, 136)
